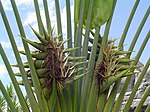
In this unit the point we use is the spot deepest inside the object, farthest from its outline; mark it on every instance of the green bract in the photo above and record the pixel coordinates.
(100, 13)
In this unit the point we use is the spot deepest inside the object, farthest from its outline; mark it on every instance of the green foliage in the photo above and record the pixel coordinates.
(11, 93)
(75, 77)
(100, 12)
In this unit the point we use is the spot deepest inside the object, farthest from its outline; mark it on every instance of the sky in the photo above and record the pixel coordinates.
(28, 17)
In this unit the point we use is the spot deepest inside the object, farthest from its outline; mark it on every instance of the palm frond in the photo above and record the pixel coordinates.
(77, 72)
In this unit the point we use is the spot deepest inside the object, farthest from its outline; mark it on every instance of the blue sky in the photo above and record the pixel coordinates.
(27, 12)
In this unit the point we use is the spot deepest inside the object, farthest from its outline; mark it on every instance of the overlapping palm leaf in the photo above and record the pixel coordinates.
(73, 74)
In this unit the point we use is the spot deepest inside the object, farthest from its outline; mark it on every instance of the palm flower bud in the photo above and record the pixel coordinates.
(113, 66)
(52, 62)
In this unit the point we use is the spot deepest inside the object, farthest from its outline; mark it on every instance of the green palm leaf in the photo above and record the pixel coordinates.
(77, 72)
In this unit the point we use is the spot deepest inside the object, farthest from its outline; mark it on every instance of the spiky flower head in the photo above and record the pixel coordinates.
(52, 62)
(113, 66)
